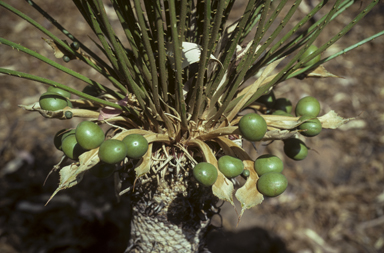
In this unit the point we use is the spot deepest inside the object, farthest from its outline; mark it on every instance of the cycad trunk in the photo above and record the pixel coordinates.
(171, 212)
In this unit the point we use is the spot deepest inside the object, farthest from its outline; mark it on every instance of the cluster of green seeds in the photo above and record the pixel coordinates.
(253, 127)
(307, 108)
(88, 135)
(271, 182)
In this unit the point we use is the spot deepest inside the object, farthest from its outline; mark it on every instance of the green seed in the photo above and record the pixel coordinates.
(112, 151)
(52, 101)
(268, 163)
(268, 100)
(230, 166)
(308, 106)
(283, 104)
(295, 149)
(89, 135)
(57, 138)
(68, 115)
(66, 58)
(311, 49)
(64, 93)
(246, 173)
(312, 127)
(205, 173)
(272, 184)
(282, 113)
(252, 126)
(75, 45)
(137, 145)
(71, 148)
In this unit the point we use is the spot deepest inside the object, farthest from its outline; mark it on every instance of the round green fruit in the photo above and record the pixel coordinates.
(295, 149)
(272, 184)
(253, 127)
(57, 138)
(71, 148)
(309, 106)
(311, 49)
(268, 163)
(52, 101)
(283, 104)
(91, 90)
(67, 133)
(312, 127)
(137, 145)
(66, 58)
(112, 151)
(75, 45)
(103, 170)
(268, 100)
(68, 115)
(205, 173)
(230, 166)
(282, 113)
(89, 135)
(64, 93)
(246, 173)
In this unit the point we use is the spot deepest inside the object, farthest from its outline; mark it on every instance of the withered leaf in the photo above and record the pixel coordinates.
(72, 174)
(220, 132)
(228, 145)
(332, 120)
(278, 134)
(60, 114)
(321, 72)
(248, 195)
(58, 50)
(282, 122)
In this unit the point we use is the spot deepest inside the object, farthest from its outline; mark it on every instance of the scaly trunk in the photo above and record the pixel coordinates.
(171, 212)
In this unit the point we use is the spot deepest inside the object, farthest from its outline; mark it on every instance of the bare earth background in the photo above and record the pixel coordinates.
(334, 202)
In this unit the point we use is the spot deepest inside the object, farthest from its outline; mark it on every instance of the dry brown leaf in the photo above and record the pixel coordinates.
(282, 122)
(332, 120)
(58, 50)
(248, 195)
(226, 144)
(223, 188)
(226, 149)
(72, 174)
(60, 114)
(278, 134)
(321, 72)
(219, 132)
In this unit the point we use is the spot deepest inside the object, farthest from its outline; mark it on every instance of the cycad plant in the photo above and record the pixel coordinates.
(185, 88)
